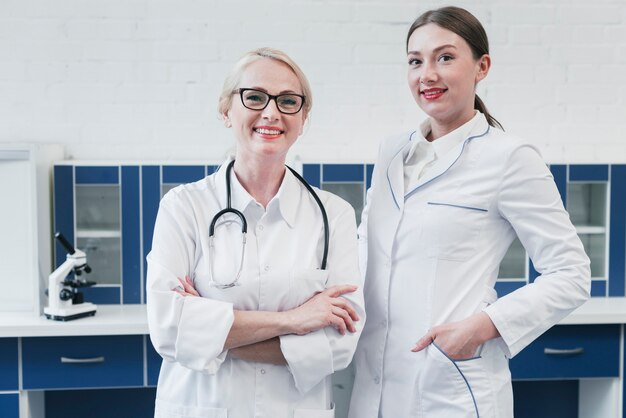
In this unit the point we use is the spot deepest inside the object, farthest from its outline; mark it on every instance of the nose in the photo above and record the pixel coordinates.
(271, 111)
(428, 74)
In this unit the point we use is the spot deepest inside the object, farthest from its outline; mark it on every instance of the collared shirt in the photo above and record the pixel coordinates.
(280, 272)
(421, 154)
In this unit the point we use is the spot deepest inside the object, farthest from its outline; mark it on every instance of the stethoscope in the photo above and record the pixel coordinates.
(244, 228)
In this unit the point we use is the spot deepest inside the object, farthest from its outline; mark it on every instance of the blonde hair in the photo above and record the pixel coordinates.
(231, 83)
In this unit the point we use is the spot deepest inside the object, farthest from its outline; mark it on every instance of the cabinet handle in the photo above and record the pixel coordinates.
(563, 352)
(70, 360)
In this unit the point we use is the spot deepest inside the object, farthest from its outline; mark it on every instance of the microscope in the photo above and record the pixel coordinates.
(65, 302)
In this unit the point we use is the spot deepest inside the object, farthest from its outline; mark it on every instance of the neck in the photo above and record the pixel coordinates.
(439, 128)
(261, 177)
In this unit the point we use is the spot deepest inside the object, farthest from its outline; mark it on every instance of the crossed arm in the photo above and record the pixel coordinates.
(254, 334)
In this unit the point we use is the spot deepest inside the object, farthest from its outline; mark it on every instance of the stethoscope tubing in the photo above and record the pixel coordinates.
(244, 224)
(322, 210)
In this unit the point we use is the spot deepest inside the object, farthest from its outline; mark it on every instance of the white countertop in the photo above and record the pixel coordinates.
(132, 320)
(109, 320)
(599, 311)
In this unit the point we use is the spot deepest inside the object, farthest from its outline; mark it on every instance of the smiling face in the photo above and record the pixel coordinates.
(265, 133)
(443, 75)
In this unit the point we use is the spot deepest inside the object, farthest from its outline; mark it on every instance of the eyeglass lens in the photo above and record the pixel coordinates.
(257, 100)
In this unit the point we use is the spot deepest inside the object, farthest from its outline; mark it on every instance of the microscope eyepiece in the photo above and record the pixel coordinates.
(65, 243)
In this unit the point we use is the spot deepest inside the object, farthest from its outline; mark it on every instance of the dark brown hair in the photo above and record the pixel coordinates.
(464, 24)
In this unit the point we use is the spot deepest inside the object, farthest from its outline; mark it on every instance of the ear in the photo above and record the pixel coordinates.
(304, 119)
(484, 64)
(227, 122)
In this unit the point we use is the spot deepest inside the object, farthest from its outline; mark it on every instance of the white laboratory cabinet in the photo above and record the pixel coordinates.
(25, 219)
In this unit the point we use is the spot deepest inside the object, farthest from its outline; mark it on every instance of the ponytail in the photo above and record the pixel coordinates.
(480, 106)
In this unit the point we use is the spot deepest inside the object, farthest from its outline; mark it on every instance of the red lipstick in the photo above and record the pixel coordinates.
(433, 93)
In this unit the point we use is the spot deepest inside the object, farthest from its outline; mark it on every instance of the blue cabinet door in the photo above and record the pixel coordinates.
(9, 405)
(153, 362)
(82, 362)
(8, 364)
(66, 180)
(617, 231)
(570, 352)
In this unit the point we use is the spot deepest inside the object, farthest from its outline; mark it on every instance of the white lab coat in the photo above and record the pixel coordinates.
(281, 271)
(432, 256)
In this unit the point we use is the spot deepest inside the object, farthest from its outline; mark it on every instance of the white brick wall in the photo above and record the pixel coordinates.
(139, 79)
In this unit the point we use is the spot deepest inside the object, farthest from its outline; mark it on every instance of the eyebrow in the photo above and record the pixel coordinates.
(282, 92)
(439, 48)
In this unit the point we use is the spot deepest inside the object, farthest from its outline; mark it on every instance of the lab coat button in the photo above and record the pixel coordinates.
(377, 380)
(262, 371)
(260, 227)
(266, 268)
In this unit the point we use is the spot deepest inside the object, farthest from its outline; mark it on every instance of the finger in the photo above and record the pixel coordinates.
(192, 287)
(339, 290)
(339, 324)
(183, 285)
(346, 318)
(188, 286)
(424, 342)
(347, 306)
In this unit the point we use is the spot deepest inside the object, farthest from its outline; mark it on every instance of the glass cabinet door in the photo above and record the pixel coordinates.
(346, 181)
(513, 265)
(98, 230)
(587, 206)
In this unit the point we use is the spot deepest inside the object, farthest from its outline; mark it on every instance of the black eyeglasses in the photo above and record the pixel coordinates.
(288, 104)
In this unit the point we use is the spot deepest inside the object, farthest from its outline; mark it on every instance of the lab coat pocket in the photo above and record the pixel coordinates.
(452, 228)
(243, 296)
(304, 284)
(168, 410)
(448, 389)
(315, 413)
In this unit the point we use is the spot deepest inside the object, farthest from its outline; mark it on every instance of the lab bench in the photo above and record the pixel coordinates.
(112, 351)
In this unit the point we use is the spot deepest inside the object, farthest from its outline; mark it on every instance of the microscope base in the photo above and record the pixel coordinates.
(76, 311)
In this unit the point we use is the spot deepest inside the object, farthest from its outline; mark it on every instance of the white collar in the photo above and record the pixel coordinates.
(445, 143)
(287, 196)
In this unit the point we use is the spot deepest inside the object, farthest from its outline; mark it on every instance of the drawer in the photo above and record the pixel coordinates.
(570, 352)
(8, 364)
(9, 405)
(82, 362)
(154, 363)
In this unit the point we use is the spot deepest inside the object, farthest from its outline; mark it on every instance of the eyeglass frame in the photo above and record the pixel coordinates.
(271, 97)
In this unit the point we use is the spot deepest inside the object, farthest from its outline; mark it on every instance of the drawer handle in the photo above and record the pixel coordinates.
(563, 352)
(70, 360)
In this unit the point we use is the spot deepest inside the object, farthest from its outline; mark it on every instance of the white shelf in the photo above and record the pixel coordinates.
(590, 229)
(97, 233)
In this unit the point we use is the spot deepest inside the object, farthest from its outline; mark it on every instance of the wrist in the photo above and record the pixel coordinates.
(487, 329)
(286, 323)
